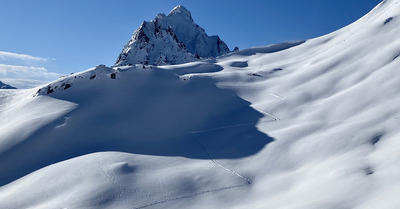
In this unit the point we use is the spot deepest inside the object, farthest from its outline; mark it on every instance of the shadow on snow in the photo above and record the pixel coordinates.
(150, 112)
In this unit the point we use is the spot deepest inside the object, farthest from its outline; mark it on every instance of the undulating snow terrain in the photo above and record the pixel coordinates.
(308, 124)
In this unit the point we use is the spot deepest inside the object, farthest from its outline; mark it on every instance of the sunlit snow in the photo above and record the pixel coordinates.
(302, 125)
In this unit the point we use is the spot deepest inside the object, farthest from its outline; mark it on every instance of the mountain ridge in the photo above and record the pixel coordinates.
(6, 86)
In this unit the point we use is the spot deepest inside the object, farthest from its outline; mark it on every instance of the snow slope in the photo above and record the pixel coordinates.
(170, 39)
(309, 124)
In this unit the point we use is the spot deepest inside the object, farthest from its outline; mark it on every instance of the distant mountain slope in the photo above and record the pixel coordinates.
(5, 86)
(170, 39)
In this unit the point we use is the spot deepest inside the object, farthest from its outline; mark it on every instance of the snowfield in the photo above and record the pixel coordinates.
(302, 125)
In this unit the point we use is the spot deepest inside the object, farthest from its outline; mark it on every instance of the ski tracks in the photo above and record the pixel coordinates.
(189, 195)
(246, 180)
(276, 96)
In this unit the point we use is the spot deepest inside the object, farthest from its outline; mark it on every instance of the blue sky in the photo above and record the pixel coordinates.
(49, 38)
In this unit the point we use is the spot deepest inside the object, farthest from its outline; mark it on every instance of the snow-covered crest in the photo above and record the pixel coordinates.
(182, 11)
(170, 39)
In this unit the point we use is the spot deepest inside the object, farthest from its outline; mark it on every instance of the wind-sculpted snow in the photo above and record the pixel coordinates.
(301, 125)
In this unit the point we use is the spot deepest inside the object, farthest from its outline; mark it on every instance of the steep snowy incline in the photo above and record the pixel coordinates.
(170, 39)
(301, 125)
(336, 101)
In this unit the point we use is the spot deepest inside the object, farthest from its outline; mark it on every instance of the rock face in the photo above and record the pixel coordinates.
(170, 39)
(5, 86)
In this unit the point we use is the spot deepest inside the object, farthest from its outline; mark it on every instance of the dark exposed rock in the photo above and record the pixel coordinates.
(67, 86)
(254, 74)
(368, 171)
(376, 139)
(388, 20)
(49, 90)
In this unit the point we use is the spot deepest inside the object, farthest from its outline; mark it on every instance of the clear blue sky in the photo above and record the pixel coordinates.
(74, 35)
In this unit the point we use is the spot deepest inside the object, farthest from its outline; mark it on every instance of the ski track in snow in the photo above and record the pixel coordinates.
(248, 181)
(239, 125)
(268, 92)
(277, 96)
(223, 127)
(189, 195)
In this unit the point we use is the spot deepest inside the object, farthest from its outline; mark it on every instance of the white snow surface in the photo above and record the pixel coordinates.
(170, 39)
(301, 125)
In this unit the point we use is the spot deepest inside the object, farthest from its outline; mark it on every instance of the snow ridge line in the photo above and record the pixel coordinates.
(248, 181)
(237, 125)
(223, 127)
(270, 115)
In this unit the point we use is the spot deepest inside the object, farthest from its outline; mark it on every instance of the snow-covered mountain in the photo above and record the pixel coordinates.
(170, 39)
(5, 86)
(303, 125)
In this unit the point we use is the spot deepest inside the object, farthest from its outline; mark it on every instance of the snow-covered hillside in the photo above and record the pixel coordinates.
(309, 124)
(170, 39)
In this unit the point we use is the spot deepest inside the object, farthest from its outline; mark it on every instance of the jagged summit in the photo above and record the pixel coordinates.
(170, 39)
(181, 10)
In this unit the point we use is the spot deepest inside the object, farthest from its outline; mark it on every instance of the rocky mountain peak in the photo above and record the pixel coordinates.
(182, 11)
(170, 39)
